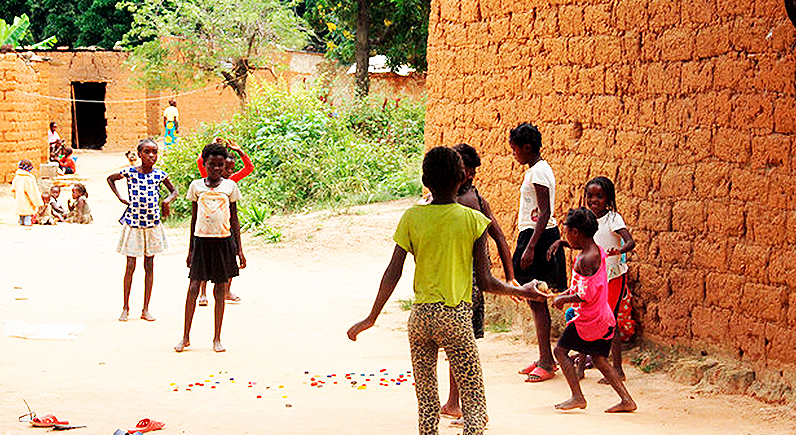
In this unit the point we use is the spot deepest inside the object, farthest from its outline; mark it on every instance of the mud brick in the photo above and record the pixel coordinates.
(780, 343)
(710, 324)
(607, 50)
(770, 151)
(726, 218)
(712, 40)
(674, 247)
(695, 146)
(749, 185)
(631, 15)
(792, 309)
(687, 285)
(785, 115)
(775, 74)
(782, 189)
(689, 216)
(570, 20)
(675, 315)
(541, 81)
(763, 301)
(767, 225)
(724, 290)
(680, 113)
(748, 335)
(677, 181)
(711, 253)
(732, 145)
(546, 23)
(753, 111)
(712, 179)
(677, 44)
(697, 76)
(653, 281)
(750, 260)
(663, 78)
(581, 50)
(663, 13)
(749, 34)
(698, 12)
(732, 72)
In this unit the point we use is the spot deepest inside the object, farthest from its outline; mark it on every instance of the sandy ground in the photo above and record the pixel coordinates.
(299, 297)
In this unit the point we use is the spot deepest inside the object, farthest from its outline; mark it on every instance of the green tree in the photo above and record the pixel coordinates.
(187, 42)
(80, 22)
(13, 34)
(103, 24)
(356, 29)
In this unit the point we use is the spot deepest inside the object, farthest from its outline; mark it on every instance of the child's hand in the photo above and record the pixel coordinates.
(233, 146)
(516, 298)
(553, 248)
(536, 291)
(241, 260)
(124, 201)
(558, 302)
(359, 327)
(527, 257)
(612, 251)
(188, 261)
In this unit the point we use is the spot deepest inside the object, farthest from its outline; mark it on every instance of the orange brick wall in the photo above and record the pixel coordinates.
(688, 105)
(23, 117)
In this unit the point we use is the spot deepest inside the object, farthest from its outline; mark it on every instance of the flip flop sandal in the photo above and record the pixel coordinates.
(146, 425)
(202, 302)
(67, 426)
(539, 375)
(48, 420)
(232, 300)
(528, 370)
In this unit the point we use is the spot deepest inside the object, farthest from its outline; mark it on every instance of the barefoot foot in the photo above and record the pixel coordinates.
(450, 411)
(182, 345)
(572, 403)
(146, 316)
(123, 317)
(217, 346)
(604, 381)
(623, 406)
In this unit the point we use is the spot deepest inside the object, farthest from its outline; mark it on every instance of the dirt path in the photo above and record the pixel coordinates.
(299, 297)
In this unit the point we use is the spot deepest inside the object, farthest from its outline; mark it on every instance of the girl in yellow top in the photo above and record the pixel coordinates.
(26, 193)
(445, 239)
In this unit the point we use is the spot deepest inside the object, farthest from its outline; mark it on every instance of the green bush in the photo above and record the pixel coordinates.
(308, 153)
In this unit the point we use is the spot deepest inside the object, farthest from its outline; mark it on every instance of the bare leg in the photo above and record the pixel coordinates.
(627, 404)
(451, 408)
(541, 320)
(581, 369)
(231, 296)
(577, 400)
(616, 358)
(219, 292)
(203, 293)
(149, 279)
(127, 284)
(190, 307)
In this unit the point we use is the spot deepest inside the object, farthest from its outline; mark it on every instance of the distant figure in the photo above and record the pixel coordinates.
(171, 123)
(58, 210)
(79, 211)
(44, 215)
(54, 141)
(26, 193)
(67, 163)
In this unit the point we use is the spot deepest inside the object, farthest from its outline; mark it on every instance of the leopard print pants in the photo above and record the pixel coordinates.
(434, 326)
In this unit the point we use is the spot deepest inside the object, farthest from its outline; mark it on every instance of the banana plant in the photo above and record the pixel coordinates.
(13, 34)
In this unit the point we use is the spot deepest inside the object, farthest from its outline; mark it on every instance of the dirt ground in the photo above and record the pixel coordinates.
(299, 298)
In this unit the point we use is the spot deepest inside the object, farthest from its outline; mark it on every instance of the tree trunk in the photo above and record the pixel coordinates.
(237, 79)
(363, 48)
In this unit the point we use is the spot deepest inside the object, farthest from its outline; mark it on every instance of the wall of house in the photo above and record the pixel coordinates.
(688, 105)
(23, 116)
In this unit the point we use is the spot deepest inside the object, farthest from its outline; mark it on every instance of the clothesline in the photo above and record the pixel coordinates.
(136, 100)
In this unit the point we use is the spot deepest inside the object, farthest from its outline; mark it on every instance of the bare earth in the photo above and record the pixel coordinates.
(299, 297)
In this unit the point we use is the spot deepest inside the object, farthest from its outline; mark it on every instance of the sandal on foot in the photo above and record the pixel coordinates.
(528, 370)
(232, 299)
(48, 420)
(540, 375)
(202, 302)
(146, 425)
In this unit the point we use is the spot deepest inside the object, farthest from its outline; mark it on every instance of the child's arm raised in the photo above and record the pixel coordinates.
(112, 179)
(628, 243)
(489, 283)
(248, 166)
(234, 224)
(388, 282)
(200, 163)
(165, 209)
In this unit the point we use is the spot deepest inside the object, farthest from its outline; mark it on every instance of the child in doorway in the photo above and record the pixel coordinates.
(468, 196)
(79, 211)
(142, 234)
(591, 331)
(67, 163)
(58, 210)
(538, 231)
(615, 239)
(247, 169)
(445, 238)
(26, 193)
(215, 239)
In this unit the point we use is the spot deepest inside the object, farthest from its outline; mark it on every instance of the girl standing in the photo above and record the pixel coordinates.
(142, 235)
(26, 192)
(538, 231)
(215, 239)
(592, 330)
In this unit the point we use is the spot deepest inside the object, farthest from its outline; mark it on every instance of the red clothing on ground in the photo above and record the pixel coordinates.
(67, 162)
(248, 168)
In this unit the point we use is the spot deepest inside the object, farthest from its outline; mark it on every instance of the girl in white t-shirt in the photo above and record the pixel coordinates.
(215, 239)
(537, 232)
(615, 239)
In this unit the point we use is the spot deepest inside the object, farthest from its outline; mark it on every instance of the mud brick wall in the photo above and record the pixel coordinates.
(23, 117)
(688, 105)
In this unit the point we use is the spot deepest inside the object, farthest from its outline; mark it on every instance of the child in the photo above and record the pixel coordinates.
(79, 211)
(612, 235)
(445, 239)
(468, 196)
(592, 329)
(26, 193)
(44, 216)
(57, 208)
(215, 239)
(247, 169)
(54, 141)
(538, 231)
(66, 163)
(142, 235)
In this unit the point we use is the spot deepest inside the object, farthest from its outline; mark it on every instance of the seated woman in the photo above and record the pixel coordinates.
(79, 211)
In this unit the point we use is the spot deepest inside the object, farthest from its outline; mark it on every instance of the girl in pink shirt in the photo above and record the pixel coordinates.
(592, 329)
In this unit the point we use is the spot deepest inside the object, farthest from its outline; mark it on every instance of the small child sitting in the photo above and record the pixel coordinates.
(44, 215)
(79, 211)
(66, 163)
(57, 209)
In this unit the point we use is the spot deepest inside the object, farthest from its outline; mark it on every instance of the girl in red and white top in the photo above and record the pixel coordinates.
(592, 329)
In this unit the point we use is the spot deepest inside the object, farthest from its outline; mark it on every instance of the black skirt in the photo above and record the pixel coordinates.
(214, 259)
(570, 339)
(553, 271)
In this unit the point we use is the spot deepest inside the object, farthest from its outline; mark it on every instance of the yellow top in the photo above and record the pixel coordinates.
(441, 238)
(26, 192)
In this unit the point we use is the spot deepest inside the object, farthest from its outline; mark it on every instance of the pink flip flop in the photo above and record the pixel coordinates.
(48, 420)
(146, 425)
(541, 375)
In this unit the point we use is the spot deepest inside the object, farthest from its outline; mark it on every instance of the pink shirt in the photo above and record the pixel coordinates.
(595, 318)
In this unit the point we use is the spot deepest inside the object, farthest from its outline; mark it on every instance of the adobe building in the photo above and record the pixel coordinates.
(689, 106)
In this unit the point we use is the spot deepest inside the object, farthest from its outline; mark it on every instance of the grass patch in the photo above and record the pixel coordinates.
(406, 304)
(498, 325)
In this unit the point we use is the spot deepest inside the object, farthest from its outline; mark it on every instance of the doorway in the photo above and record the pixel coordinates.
(88, 115)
